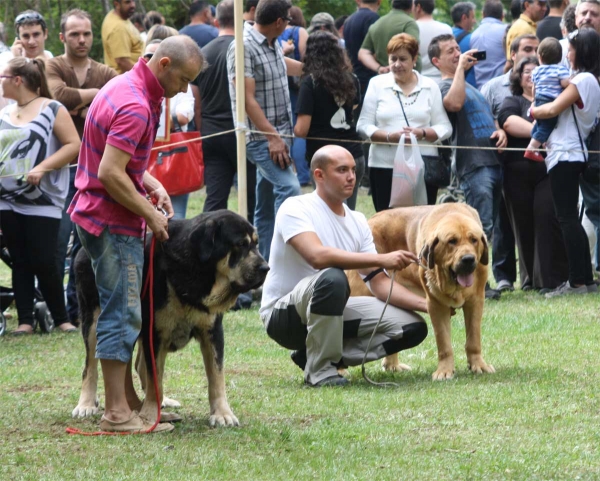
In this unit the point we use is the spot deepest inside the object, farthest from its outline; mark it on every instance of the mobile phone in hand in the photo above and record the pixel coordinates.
(479, 56)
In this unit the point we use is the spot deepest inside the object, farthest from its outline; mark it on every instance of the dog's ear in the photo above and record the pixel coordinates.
(485, 255)
(203, 239)
(428, 253)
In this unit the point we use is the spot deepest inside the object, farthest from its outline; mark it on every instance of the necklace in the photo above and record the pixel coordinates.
(22, 106)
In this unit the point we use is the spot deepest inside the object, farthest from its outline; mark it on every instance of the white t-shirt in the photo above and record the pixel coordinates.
(309, 213)
(429, 29)
(564, 138)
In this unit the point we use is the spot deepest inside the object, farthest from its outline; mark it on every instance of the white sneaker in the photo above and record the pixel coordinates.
(504, 286)
(566, 289)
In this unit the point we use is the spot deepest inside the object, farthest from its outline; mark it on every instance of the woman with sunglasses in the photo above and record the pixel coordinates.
(37, 141)
(577, 108)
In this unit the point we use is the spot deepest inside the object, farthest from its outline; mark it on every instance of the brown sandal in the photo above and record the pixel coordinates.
(135, 424)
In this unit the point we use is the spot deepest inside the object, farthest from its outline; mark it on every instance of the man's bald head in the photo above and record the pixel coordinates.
(177, 61)
(325, 155)
(181, 49)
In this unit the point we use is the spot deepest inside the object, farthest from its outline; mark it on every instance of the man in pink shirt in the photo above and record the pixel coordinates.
(110, 207)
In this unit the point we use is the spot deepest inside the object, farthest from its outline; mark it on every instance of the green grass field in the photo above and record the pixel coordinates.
(537, 418)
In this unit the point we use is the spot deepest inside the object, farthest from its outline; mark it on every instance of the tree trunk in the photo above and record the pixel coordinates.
(106, 6)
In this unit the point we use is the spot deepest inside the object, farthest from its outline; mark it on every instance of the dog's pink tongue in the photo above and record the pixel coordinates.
(465, 281)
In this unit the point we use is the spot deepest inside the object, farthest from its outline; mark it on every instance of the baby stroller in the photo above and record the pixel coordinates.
(41, 314)
(452, 193)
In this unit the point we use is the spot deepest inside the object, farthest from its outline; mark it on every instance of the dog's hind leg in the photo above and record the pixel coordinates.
(212, 344)
(142, 371)
(88, 400)
(150, 408)
(392, 363)
(473, 312)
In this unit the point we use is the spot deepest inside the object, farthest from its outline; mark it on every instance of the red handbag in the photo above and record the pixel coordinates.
(179, 168)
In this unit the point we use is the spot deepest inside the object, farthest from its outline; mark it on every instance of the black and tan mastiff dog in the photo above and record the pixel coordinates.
(198, 274)
(453, 252)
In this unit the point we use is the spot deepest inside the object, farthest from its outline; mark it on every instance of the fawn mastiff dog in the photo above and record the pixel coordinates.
(453, 252)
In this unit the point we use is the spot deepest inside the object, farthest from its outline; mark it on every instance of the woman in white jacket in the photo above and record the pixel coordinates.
(396, 103)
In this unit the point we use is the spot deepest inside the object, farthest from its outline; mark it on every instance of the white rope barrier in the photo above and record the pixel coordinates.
(325, 139)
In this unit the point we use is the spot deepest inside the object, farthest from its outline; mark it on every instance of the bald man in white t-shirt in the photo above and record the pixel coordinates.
(306, 305)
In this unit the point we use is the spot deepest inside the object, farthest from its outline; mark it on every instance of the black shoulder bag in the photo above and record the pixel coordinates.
(437, 168)
(591, 172)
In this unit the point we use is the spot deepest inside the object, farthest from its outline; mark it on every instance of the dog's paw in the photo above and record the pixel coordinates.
(480, 367)
(84, 410)
(170, 403)
(392, 364)
(222, 419)
(442, 374)
(398, 367)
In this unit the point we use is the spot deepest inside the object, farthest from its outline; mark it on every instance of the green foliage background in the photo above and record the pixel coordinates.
(175, 12)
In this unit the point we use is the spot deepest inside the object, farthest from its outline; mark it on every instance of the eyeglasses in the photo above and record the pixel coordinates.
(148, 56)
(30, 17)
(7, 76)
(287, 19)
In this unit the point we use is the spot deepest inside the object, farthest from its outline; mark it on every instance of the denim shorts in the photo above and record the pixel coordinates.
(117, 261)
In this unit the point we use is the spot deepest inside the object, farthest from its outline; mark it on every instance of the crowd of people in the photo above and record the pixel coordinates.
(358, 77)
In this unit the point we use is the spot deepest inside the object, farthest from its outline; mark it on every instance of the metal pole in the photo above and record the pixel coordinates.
(240, 108)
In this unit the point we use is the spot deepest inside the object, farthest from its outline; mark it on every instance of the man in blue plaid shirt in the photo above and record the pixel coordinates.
(269, 110)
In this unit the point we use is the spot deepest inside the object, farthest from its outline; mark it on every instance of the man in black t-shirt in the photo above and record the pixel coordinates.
(550, 26)
(212, 86)
(355, 30)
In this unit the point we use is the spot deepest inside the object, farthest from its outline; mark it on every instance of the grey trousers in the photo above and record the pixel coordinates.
(319, 316)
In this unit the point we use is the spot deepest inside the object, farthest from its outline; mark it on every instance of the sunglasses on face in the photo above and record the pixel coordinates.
(148, 56)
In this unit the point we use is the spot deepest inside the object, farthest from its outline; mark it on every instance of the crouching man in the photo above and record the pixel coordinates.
(306, 305)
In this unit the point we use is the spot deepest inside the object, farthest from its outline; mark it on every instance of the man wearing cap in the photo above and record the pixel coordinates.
(373, 52)
(322, 21)
(532, 11)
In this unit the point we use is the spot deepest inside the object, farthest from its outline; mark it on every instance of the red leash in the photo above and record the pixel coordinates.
(149, 282)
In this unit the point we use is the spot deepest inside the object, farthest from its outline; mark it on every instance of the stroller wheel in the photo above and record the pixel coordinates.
(42, 317)
(2, 324)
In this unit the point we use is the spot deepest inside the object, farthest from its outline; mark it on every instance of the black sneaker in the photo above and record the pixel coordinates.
(299, 358)
(331, 381)
(492, 293)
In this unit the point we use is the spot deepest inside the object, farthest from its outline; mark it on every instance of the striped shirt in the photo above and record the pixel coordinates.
(266, 65)
(546, 79)
(125, 115)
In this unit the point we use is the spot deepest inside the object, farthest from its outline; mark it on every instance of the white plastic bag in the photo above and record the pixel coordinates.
(408, 183)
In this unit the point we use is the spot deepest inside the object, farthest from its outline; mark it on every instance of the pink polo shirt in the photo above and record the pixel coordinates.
(125, 115)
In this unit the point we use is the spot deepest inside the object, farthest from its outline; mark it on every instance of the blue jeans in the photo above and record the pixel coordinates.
(179, 203)
(298, 150)
(543, 127)
(483, 188)
(273, 186)
(117, 261)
